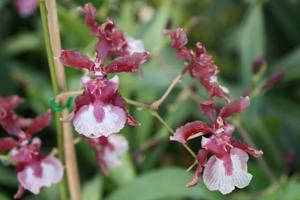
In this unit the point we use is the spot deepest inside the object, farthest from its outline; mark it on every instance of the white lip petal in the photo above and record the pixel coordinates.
(52, 172)
(85, 122)
(215, 177)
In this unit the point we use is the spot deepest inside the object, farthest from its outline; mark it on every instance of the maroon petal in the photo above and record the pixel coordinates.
(246, 148)
(235, 107)
(274, 80)
(129, 63)
(10, 125)
(98, 111)
(10, 102)
(111, 41)
(202, 158)
(214, 89)
(7, 143)
(39, 123)
(90, 13)
(183, 133)
(196, 177)
(118, 100)
(209, 110)
(75, 59)
(131, 121)
(81, 100)
(178, 37)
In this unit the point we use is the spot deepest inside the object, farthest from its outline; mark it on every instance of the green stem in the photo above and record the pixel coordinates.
(161, 120)
(55, 87)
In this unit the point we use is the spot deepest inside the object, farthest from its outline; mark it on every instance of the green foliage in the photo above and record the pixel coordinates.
(235, 32)
(165, 183)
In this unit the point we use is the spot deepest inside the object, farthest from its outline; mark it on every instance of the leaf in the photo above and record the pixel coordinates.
(252, 41)
(73, 25)
(165, 183)
(152, 34)
(126, 19)
(7, 177)
(123, 174)
(290, 62)
(22, 43)
(92, 190)
(3, 197)
(286, 17)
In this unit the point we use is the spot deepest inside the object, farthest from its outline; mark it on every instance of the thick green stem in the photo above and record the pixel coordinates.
(59, 131)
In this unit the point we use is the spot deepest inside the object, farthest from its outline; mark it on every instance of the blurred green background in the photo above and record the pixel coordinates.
(235, 32)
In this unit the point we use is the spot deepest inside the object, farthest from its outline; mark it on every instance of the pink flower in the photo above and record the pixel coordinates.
(101, 110)
(26, 7)
(200, 64)
(226, 173)
(227, 167)
(99, 116)
(34, 170)
(109, 150)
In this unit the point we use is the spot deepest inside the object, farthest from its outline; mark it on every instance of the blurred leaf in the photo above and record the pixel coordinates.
(8, 177)
(37, 89)
(152, 33)
(252, 41)
(125, 173)
(3, 197)
(92, 190)
(284, 15)
(22, 43)
(291, 63)
(47, 193)
(73, 24)
(126, 19)
(165, 183)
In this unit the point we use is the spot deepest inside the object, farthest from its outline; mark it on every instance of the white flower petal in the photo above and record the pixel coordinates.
(85, 122)
(52, 172)
(113, 156)
(135, 46)
(215, 177)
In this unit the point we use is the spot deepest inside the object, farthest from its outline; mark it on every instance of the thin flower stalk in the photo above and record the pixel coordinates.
(64, 131)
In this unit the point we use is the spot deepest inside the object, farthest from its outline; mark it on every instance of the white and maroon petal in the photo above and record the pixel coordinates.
(241, 178)
(113, 156)
(113, 121)
(183, 133)
(215, 175)
(235, 107)
(52, 172)
(134, 45)
(215, 178)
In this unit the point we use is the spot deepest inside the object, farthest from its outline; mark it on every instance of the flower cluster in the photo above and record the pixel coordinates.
(101, 111)
(34, 169)
(227, 165)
